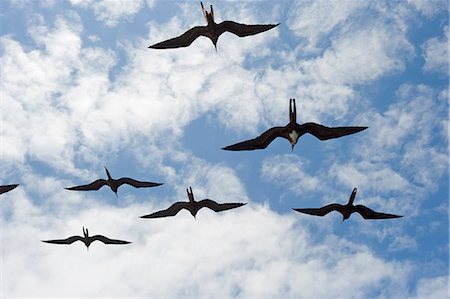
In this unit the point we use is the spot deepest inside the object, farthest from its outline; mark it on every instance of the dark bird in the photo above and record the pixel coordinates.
(7, 188)
(193, 206)
(347, 210)
(292, 132)
(87, 240)
(113, 184)
(212, 31)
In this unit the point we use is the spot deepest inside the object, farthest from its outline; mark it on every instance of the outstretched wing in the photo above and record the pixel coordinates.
(218, 207)
(108, 240)
(183, 40)
(92, 186)
(367, 213)
(324, 133)
(259, 142)
(323, 210)
(6, 188)
(67, 241)
(171, 211)
(137, 184)
(243, 29)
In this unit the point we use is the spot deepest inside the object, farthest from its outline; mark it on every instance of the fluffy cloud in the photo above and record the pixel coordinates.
(313, 20)
(112, 11)
(248, 252)
(289, 170)
(435, 53)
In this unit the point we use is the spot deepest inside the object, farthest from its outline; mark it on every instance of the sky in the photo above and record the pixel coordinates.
(80, 90)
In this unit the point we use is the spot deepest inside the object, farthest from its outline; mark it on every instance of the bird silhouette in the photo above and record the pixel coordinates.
(292, 132)
(212, 30)
(193, 206)
(113, 184)
(7, 188)
(86, 240)
(347, 210)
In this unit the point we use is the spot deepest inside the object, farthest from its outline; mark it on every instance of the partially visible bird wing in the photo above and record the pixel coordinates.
(92, 186)
(108, 240)
(218, 207)
(137, 184)
(323, 210)
(243, 29)
(67, 241)
(259, 142)
(324, 133)
(171, 211)
(183, 40)
(6, 188)
(367, 213)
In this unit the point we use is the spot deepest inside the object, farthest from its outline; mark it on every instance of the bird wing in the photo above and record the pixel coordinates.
(183, 40)
(137, 184)
(108, 240)
(324, 133)
(323, 210)
(218, 207)
(171, 211)
(243, 29)
(69, 240)
(6, 188)
(92, 186)
(259, 142)
(367, 213)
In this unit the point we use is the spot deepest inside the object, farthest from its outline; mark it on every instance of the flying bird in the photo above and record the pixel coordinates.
(7, 188)
(212, 31)
(347, 210)
(292, 132)
(193, 206)
(86, 240)
(113, 184)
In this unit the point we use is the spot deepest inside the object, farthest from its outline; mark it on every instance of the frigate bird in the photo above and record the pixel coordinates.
(347, 210)
(113, 184)
(212, 30)
(193, 206)
(6, 188)
(86, 240)
(292, 132)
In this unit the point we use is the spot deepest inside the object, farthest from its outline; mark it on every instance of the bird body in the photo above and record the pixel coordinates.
(87, 240)
(292, 132)
(212, 31)
(347, 210)
(7, 188)
(113, 184)
(193, 206)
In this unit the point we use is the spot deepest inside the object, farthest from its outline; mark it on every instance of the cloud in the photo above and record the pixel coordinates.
(314, 20)
(112, 11)
(429, 8)
(348, 61)
(230, 254)
(289, 170)
(435, 53)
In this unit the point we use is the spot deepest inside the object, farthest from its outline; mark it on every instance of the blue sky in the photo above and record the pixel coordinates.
(81, 90)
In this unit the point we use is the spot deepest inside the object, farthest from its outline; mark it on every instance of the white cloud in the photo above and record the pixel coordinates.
(349, 61)
(431, 288)
(435, 53)
(112, 11)
(248, 252)
(315, 19)
(289, 170)
(429, 8)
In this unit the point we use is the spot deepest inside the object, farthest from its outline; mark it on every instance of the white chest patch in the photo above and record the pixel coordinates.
(294, 137)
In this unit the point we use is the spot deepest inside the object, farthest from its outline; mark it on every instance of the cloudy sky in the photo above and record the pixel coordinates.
(80, 90)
